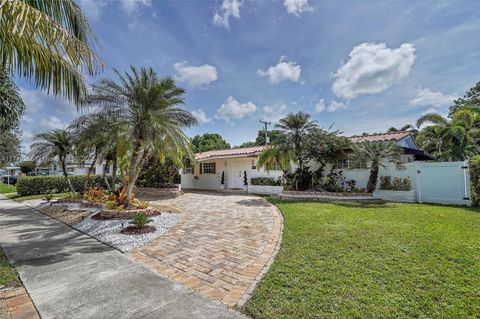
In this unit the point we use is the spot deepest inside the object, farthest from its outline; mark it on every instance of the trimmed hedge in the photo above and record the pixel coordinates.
(474, 164)
(34, 185)
(265, 181)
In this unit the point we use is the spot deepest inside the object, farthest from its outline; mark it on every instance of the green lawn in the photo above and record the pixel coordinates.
(349, 260)
(8, 275)
(17, 198)
(5, 188)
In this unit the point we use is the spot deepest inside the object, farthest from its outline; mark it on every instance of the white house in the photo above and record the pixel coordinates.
(234, 164)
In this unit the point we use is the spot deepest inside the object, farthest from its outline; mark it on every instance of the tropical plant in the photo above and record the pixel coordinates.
(147, 111)
(450, 140)
(278, 155)
(54, 145)
(142, 204)
(471, 99)
(295, 127)
(49, 41)
(140, 219)
(377, 153)
(275, 137)
(48, 197)
(11, 104)
(9, 147)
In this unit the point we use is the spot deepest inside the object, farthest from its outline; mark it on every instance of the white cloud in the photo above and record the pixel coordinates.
(201, 116)
(436, 99)
(52, 122)
(283, 71)
(131, 6)
(296, 7)
(274, 112)
(335, 106)
(373, 68)
(93, 8)
(320, 106)
(231, 109)
(223, 12)
(195, 75)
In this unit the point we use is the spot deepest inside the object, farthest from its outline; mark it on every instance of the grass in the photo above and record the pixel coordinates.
(17, 198)
(349, 260)
(8, 275)
(5, 188)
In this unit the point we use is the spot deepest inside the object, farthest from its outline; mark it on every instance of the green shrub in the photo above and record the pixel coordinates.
(397, 184)
(265, 181)
(34, 185)
(474, 164)
(333, 182)
(140, 219)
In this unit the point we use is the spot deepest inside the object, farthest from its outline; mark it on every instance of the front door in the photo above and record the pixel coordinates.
(236, 174)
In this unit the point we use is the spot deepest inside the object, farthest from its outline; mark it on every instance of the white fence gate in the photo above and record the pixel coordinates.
(443, 182)
(433, 182)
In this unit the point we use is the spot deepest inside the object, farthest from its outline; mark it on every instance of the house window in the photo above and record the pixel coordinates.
(272, 167)
(351, 164)
(208, 168)
(188, 170)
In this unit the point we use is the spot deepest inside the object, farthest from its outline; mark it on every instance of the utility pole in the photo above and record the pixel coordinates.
(266, 130)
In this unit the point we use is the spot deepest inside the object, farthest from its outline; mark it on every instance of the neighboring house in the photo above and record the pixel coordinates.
(234, 163)
(206, 173)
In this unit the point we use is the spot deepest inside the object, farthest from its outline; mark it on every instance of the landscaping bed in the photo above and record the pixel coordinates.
(357, 260)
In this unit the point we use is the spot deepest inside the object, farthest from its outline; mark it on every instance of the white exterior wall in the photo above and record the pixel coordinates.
(233, 168)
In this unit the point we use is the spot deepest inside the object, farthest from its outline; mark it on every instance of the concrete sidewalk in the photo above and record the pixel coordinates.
(70, 275)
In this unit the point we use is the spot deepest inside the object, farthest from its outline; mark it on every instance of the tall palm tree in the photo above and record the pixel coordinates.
(49, 41)
(147, 110)
(278, 155)
(377, 153)
(54, 145)
(296, 127)
(11, 104)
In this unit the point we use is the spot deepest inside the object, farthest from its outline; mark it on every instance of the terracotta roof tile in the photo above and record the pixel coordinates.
(382, 137)
(232, 152)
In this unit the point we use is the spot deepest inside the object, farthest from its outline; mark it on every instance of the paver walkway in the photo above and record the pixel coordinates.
(221, 248)
(71, 275)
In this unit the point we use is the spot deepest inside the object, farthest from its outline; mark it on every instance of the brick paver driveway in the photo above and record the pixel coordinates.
(222, 246)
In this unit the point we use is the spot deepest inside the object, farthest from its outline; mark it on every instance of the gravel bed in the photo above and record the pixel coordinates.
(108, 231)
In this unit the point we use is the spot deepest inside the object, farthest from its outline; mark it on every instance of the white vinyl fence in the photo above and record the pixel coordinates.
(433, 182)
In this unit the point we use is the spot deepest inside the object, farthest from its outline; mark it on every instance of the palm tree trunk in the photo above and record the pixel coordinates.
(90, 169)
(104, 173)
(114, 173)
(65, 174)
(132, 171)
(372, 180)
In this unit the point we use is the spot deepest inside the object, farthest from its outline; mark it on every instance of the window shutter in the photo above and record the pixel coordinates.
(214, 168)
(201, 168)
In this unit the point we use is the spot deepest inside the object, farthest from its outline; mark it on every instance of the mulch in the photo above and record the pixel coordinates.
(137, 230)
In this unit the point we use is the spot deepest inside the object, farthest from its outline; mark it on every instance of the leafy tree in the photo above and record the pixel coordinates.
(208, 142)
(11, 104)
(278, 155)
(54, 145)
(377, 153)
(147, 110)
(9, 147)
(470, 99)
(275, 137)
(408, 127)
(326, 147)
(49, 41)
(27, 166)
(295, 127)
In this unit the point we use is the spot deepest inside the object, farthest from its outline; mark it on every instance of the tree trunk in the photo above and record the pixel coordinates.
(90, 169)
(372, 180)
(104, 173)
(132, 171)
(65, 174)
(114, 173)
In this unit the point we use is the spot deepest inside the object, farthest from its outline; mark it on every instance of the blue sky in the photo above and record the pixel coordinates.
(361, 66)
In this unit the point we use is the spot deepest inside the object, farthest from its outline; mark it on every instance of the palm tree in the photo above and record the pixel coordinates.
(279, 155)
(454, 139)
(377, 153)
(49, 41)
(296, 127)
(147, 111)
(11, 104)
(96, 139)
(54, 145)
